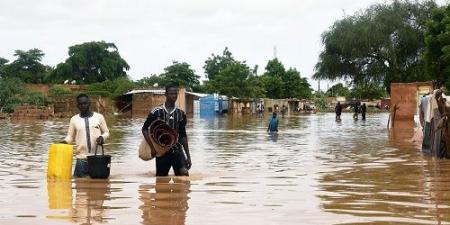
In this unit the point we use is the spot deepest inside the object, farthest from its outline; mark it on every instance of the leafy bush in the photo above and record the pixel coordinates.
(111, 88)
(320, 100)
(35, 98)
(58, 90)
(10, 91)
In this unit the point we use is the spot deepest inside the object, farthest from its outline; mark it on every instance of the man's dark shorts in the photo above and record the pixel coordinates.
(173, 158)
(81, 168)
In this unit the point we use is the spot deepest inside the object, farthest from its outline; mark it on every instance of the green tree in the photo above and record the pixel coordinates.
(255, 86)
(273, 79)
(273, 86)
(280, 83)
(275, 68)
(382, 44)
(437, 54)
(368, 91)
(10, 89)
(27, 67)
(320, 101)
(181, 74)
(338, 90)
(112, 88)
(151, 81)
(216, 63)
(3, 64)
(91, 62)
(232, 81)
(295, 86)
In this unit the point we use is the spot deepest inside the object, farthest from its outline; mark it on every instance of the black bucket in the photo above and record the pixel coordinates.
(99, 165)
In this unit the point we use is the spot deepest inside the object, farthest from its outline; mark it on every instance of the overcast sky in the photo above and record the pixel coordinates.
(151, 34)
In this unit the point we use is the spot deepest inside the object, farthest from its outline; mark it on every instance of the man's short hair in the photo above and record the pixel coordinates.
(171, 85)
(82, 96)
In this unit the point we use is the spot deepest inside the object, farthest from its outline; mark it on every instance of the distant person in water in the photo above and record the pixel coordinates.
(363, 111)
(273, 124)
(338, 111)
(87, 130)
(283, 110)
(355, 110)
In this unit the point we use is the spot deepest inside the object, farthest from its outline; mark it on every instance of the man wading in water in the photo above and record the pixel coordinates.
(87, 129)
(175, 118)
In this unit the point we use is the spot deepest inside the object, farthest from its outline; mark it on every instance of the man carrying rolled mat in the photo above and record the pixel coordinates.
(87, 130)
(176, 119)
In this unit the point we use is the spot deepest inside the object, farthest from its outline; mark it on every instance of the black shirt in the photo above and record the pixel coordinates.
(175, 119)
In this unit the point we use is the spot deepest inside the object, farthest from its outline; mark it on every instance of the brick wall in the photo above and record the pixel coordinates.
(406, 97)
(142, 103)
(44, 88)
(66, 106)
(32, 112)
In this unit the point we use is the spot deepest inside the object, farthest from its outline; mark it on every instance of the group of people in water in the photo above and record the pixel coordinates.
(88, 130)
(357, 108)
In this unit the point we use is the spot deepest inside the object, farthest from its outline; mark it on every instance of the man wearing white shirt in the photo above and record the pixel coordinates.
(87, 130)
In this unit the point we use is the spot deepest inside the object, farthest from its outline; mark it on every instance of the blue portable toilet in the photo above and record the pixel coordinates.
(208, 105)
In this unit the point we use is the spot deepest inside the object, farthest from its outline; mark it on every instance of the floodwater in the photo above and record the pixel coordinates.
(315, 171)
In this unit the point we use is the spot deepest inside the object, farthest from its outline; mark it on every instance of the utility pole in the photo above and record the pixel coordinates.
(274, 51)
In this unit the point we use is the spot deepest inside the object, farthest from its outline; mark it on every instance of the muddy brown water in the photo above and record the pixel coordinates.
(315, 171)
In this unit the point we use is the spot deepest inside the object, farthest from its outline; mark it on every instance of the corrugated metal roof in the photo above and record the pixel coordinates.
(153, 91)
(196, 94)
(161, 92)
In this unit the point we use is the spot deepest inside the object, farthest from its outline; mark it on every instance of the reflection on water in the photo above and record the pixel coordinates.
(89, 198)
(164, 202)
(314, 171)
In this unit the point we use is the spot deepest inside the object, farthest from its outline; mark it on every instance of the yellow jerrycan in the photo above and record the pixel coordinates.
(60, 162)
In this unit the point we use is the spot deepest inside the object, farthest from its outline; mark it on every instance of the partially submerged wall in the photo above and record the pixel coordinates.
(142, 103)
(25, 112)
(405, 98)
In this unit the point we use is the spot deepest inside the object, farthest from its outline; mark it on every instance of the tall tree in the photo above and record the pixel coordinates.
(232, 80)
(295, 86)
(382, 44)
(181, 74)
(437, 54)
(273, 79)
(338, 90)
(280, 83)
(91, 62)
(27, 67)
(151, 81)
(216, 63)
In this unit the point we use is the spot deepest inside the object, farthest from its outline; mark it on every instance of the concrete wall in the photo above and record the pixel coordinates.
(66, 106)
(32, 112)
(190, 104)
(44, 88)
(406, 97)
(142, 103)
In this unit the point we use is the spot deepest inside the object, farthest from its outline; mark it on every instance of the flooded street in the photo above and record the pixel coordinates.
(315, 171)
